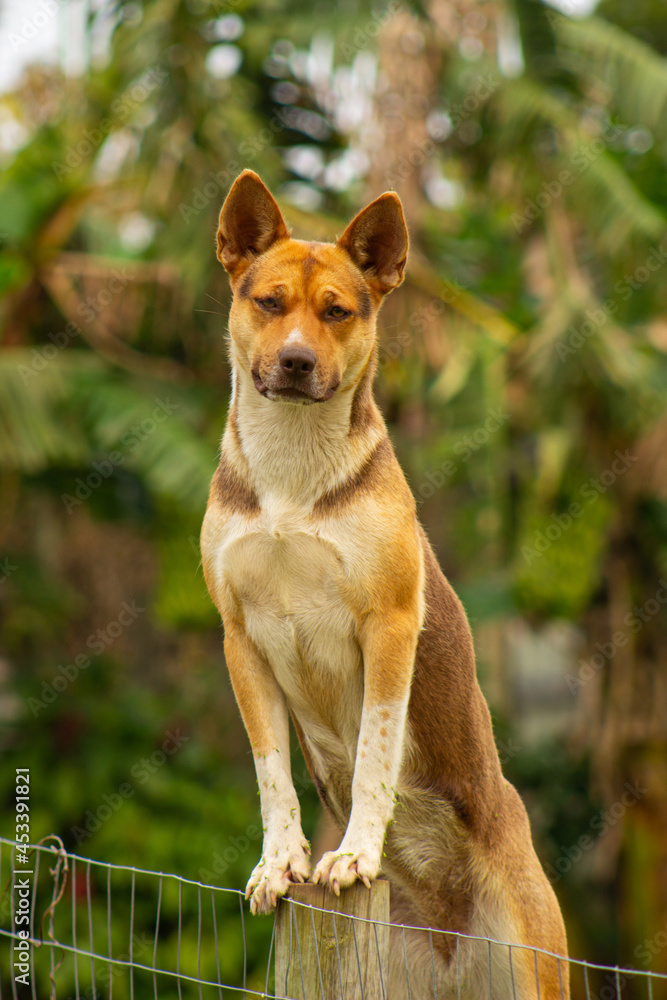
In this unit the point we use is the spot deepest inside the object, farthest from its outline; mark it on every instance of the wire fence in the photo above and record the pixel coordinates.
(79, 929)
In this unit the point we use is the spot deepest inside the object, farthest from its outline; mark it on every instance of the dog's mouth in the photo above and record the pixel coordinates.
(290, 393)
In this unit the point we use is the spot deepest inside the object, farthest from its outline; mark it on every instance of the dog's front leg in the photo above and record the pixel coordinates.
(285, 852)
(388, 648)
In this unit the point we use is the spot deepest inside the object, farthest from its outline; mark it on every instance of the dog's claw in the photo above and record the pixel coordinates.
(340, 870)
(270, 881)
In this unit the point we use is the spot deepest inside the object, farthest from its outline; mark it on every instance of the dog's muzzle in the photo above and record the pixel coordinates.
(294, 378)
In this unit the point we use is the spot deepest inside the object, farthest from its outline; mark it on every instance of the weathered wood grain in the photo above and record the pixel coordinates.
(327, 955)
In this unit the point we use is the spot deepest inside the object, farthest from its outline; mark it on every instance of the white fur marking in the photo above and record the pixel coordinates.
(320, 451)
(280, 807)
(285, 849)
(375, 778)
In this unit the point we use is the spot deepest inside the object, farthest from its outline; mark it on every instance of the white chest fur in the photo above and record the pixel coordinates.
(289, 582)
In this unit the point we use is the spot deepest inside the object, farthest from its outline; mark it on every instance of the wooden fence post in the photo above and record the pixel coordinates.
(326, 955)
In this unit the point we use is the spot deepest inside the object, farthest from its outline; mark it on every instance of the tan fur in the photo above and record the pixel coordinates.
(336, 611)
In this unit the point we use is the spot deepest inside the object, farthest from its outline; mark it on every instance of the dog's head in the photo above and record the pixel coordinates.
(303, 316)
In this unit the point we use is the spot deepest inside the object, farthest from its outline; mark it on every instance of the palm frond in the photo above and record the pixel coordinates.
(73, 408)
(33, 431)
(154, 429)
(608, 202)
(635, 74)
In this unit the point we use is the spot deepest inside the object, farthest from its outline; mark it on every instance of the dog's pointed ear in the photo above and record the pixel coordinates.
(250, 222)
(377, 242)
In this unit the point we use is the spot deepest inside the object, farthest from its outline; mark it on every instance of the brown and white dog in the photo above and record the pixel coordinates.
(335, 611)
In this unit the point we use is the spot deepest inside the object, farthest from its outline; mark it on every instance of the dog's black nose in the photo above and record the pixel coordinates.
(297, 360)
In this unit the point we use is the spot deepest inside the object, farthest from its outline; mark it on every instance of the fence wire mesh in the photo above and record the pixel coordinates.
(88, 929)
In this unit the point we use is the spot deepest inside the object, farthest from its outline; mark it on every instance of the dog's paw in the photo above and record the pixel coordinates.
(341, 869)
(274, 874)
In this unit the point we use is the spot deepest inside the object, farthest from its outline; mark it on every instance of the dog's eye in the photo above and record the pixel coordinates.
(269, 304)
(337, 312)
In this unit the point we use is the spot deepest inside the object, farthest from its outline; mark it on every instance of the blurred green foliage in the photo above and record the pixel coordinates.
(529, 303)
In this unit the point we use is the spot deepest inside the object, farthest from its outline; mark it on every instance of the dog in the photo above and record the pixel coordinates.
(336, 612)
